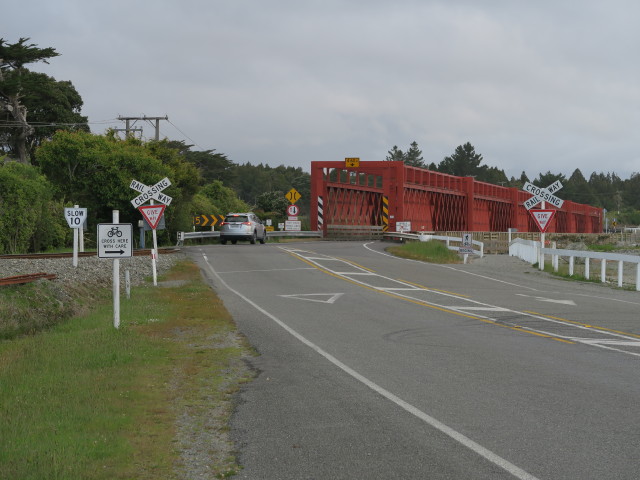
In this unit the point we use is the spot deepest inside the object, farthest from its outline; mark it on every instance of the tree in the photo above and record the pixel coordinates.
(546, 179)
(52, 105)
(464, 162)
(577, 189)
(413, 157)
(272, 202)
(492, 175)
(29, 219)
(395, 155)
(95, 171)
(13, 58)
(223, 198)
(212, 165)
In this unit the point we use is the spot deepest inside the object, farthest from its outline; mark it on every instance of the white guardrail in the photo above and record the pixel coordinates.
(182, 236)
(425, 237)
(531, 252)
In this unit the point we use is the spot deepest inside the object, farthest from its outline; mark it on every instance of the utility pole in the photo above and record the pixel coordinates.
(129, 126)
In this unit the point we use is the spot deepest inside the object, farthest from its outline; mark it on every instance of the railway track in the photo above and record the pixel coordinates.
(32, 277)
(139, 252)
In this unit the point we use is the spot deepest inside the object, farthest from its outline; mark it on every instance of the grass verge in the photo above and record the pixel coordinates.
(151, 400)
(432, 251)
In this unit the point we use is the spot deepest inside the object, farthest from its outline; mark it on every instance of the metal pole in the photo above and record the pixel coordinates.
(75, 243)
(541, 259)
(116, 281)
(154, 253)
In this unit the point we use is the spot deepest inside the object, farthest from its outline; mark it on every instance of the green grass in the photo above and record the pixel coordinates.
(601, 248)
(31, 307)
(83, 400)
(432, 251)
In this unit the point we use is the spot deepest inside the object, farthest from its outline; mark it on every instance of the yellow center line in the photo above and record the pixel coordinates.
(595, 327)
(423, 304)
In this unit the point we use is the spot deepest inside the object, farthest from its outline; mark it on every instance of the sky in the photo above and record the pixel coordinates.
(535, 86)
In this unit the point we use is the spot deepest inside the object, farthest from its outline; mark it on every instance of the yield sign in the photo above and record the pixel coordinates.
(542, 218)
(152, 214)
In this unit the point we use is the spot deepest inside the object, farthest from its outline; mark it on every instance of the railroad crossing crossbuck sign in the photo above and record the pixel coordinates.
(543, 195)
(153, 192)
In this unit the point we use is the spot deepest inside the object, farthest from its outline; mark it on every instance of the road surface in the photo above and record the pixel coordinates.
(375, 367)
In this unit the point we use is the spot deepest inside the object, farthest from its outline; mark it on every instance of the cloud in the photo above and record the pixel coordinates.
(535, 86)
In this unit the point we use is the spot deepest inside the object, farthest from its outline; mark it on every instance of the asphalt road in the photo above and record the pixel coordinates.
(375, 367)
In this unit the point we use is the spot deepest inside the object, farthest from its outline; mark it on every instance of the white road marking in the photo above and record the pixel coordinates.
(366, 245)
(270, 270)
(479, 306)
(428, 419)
(550, 300)
(329, 297)
(481, 309)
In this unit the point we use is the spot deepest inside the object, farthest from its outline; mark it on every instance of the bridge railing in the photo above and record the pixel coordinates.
(453, 243)
(531, 252)
(182, 236)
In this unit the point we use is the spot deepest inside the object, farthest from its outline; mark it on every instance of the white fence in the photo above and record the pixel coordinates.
(531, 252)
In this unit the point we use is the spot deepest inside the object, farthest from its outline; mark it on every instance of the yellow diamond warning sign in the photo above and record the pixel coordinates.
(293, 195)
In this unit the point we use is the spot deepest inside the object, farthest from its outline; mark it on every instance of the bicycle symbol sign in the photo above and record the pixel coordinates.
(115, 240)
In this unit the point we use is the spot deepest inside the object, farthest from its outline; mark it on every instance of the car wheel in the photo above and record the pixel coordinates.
(264, 237)
(253, 238)
(223, 241)
(234, 241)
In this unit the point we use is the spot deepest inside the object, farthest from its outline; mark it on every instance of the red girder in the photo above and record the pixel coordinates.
(431, 201)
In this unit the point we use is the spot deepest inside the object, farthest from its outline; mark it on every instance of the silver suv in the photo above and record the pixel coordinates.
(242, 226)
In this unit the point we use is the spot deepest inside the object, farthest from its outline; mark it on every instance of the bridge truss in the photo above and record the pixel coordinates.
(381, 193)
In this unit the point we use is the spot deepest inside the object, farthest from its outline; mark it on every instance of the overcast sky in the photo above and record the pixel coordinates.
(534, 86)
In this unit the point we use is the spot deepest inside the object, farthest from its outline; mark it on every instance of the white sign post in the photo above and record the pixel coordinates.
(75, 218)
(115, 241)
(153, 192)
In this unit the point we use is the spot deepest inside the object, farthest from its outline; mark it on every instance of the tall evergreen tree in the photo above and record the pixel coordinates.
(413, 156)
(464, 162)
(395, 155)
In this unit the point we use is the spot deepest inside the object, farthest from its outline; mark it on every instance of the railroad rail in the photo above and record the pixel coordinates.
(139, 252)
(32, 277)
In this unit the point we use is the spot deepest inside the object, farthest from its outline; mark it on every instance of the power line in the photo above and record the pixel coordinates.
(185, 135)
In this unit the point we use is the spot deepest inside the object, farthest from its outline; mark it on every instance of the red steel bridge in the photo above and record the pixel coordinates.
(382, 193)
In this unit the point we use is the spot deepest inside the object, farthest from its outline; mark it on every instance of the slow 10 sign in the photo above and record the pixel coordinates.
(75, 216)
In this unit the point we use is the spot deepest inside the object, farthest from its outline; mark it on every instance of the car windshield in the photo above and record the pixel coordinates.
(236, 218)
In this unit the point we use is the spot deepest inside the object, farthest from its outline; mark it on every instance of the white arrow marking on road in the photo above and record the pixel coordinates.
(329, 297)
(550, 300)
